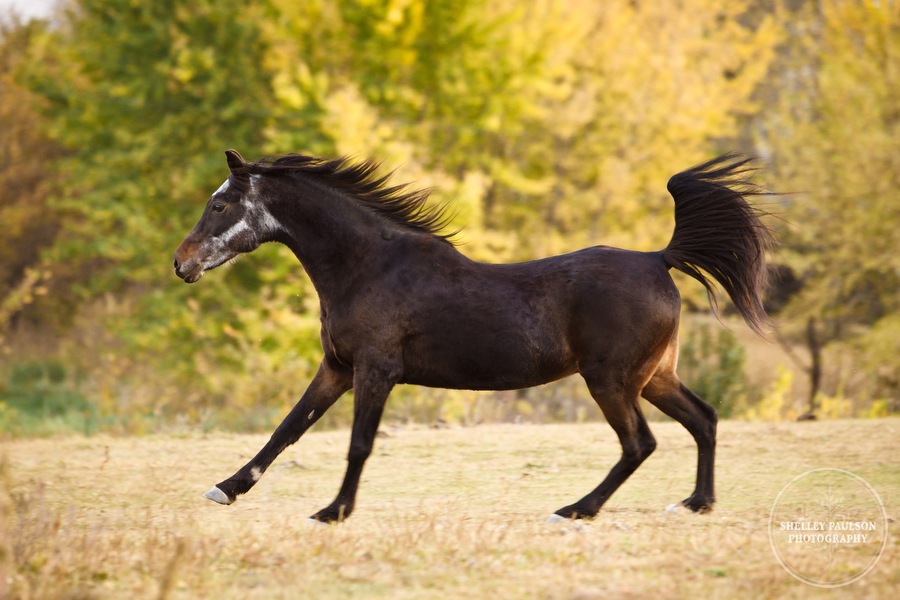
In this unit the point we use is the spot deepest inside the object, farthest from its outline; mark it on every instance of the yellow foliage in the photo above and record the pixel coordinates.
(775, 405)
(576, 112)
(547, 125)
(835, 138)
(879, 408)
(834, 407)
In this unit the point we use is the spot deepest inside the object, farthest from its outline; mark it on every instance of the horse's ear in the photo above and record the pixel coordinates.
(235, 161)
(238, 169)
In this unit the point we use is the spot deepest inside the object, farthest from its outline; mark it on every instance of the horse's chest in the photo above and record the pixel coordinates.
(370, 332)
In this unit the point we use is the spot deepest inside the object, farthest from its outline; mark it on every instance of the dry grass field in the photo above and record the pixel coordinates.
(452, 513)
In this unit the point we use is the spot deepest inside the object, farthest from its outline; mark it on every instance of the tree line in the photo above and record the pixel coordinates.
(549, 125)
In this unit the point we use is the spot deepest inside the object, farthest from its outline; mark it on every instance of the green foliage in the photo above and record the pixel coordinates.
(550, 125)
(711, 364)
(145, 96)
(29, 226)
(880, 348)
(39, 398)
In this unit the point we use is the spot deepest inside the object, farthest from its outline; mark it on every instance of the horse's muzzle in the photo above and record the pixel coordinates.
(190, 273)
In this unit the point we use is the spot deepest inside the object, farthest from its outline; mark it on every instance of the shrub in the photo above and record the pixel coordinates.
(711, 364)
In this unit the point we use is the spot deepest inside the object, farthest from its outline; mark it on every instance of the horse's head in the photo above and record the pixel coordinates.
(235, 221)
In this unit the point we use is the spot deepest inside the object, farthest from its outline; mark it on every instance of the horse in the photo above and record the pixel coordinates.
(400, 304)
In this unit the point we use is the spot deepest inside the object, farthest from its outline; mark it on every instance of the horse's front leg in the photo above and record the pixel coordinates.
(371, 388)
(330, 381)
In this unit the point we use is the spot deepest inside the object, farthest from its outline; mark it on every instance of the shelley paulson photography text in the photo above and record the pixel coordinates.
(838, 532)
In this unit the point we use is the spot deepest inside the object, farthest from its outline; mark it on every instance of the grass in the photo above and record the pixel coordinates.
(452, 513)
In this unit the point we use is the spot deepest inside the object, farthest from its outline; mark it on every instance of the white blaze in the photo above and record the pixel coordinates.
(236, 229)
(222, 188)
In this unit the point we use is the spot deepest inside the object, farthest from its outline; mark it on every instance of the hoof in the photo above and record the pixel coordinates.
(335, 513)
(576, 511)
(555, 518)
(217, 495)
(315, 523)
(698, 504)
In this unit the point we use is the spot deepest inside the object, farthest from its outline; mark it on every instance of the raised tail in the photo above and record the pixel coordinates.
(719, 234)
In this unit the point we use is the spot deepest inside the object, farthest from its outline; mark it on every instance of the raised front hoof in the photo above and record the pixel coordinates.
(218, 496)
(555, 518)
(573, 511)
(699, 504)
(310, 522)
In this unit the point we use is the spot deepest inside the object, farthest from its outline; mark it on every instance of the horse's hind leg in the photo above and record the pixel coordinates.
(622, 411)
(326, 387)
(670, 396)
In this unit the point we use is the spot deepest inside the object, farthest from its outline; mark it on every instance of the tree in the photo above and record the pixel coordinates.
(550, 124)
(836, 140)
(569, 115)
(27, 181)
(145, 96)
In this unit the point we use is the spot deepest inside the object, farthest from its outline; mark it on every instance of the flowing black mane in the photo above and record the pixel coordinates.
(396, 203)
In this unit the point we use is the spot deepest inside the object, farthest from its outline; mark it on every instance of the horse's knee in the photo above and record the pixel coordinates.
(639, 449)
(647, 445)
(359, 452)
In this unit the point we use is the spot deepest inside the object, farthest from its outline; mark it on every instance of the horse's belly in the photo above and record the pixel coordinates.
(486, 362)
(484, 380)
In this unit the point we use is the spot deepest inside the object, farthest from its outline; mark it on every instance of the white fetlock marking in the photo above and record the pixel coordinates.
(675, 507)
(316, 523)
(555, 518)
(217, 495)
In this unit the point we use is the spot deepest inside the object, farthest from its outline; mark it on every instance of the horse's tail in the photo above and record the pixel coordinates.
(719, 232)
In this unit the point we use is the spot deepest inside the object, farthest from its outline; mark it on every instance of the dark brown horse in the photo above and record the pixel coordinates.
(399, 304)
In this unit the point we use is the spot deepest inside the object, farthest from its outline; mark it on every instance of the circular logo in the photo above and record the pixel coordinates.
(828, 527)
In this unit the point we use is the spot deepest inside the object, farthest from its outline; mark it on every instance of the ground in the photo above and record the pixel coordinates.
(448, 513)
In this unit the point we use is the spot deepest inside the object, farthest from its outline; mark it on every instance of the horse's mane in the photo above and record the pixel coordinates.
(396, 203)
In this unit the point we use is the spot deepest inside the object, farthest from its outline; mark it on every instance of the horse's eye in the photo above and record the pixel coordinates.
(218, 206)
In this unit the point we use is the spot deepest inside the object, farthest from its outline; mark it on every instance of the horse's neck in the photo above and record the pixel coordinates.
(333, 239)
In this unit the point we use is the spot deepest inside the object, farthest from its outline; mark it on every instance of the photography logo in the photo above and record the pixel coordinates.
(828, 527)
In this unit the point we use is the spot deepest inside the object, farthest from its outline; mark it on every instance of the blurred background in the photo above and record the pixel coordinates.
(549, 125)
